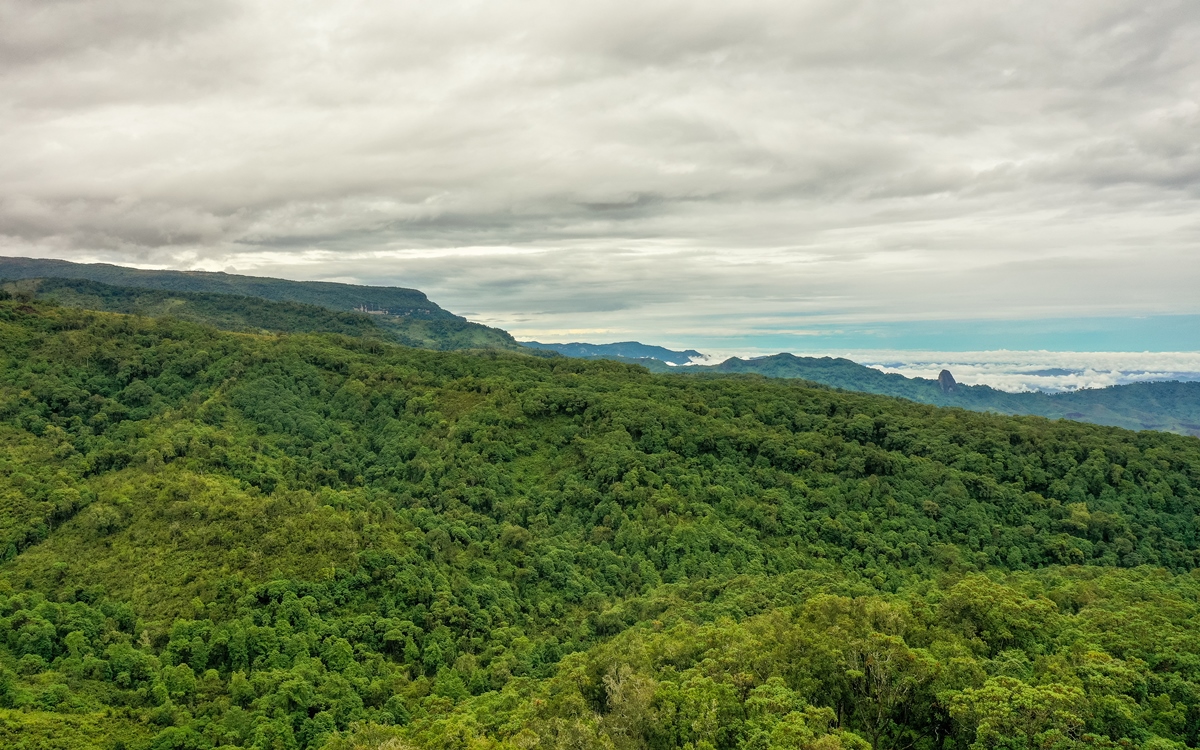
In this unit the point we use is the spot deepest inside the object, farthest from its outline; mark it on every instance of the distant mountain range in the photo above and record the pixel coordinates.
(252, 303)
(622, 350)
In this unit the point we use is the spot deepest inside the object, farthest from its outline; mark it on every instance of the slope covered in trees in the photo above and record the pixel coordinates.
(334, 296)
(233, 312)
(232, 540)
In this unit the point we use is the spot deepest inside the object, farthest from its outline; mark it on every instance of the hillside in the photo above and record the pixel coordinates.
(333, 296)
(228, 312)
(235, 312)
(231, 540)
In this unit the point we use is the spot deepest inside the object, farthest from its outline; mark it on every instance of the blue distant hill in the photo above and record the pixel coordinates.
(620, 350)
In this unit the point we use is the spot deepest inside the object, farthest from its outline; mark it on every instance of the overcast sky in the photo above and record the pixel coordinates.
(674, 172)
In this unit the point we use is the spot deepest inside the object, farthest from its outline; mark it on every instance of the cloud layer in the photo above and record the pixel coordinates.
(648, 169)
(1039, 370)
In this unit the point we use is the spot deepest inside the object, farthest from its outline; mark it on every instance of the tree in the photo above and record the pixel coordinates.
(1010, 714)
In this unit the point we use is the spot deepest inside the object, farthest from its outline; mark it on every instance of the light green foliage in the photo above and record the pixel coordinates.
(221, 540)
(34, 729)
(1008, 713)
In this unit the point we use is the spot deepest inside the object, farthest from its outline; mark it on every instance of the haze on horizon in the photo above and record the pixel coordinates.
(783, 175)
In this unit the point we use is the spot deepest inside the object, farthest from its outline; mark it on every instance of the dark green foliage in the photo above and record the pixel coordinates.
(296, 541)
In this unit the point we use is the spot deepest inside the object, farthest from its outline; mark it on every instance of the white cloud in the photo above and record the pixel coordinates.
(655, 168)
(1038, 370)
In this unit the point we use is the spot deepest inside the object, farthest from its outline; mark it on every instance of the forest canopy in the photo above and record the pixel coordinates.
(214, 539)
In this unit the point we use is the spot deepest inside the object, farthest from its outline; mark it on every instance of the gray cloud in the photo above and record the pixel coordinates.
(650, 168)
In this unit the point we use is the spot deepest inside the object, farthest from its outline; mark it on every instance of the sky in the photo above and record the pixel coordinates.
(735, 177)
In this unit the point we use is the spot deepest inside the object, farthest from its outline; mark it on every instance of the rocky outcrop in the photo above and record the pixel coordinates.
(946, 381)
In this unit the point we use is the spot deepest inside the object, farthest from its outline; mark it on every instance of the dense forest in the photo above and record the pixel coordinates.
(214, 539)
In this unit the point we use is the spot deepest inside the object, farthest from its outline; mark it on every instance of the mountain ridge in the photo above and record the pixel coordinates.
(328, 294)
(404, 316)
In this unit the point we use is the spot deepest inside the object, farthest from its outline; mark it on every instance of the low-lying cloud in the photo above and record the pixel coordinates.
(655, 169)
(1018, 371)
